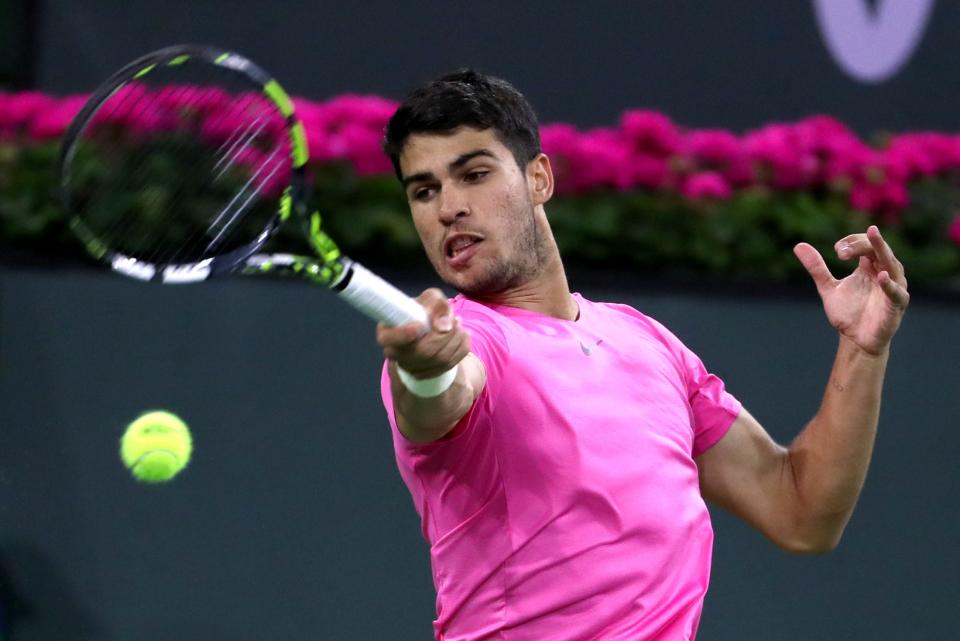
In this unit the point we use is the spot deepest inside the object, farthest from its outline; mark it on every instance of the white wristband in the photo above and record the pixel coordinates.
(427, 387)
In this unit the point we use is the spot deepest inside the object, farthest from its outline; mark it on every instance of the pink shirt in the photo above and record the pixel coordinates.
(565, 505)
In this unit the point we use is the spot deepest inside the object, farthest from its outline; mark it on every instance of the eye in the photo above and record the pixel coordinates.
(475, 175)
(422, 194)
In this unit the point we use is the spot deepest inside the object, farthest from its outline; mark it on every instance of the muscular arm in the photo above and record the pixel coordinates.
(802, 497)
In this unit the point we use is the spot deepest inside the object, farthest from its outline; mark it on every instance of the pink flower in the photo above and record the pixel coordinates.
(559, 142)
(953, 232)
(650, 132)
(52, 122)
(602, 161)
(310, 113)
(706, 185)
(371, 111)
(584, 161)
(644, 170)
(712, 146)
(825, 134)
(863, 197)
(247, 121)
(784, 152)
(319, 145)
(879, 198)
(910, 152)
(363, 150)
(16, 110)
(314, 119)
(925, 153)
(720, 150)
(123, 107)
(847, 162)
(558, 139)
(219, 127)
(187, 100)
(268, 171)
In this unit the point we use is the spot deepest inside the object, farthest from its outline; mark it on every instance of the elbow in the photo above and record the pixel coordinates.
(809, 546)
(811, 542)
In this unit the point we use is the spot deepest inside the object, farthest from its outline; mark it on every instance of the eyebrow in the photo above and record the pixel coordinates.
(458, 162)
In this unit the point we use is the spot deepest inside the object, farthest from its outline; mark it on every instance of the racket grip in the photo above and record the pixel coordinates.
(377, 298)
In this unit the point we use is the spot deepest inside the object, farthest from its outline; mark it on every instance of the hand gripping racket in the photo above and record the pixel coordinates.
(183, 164)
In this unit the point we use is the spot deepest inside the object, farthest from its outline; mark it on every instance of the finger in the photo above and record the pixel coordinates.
(813, 262)
(455, 349)
(435, 354)
(438, 309)
(897, 294)
(399, 336)
(885, 258)
(853, 246)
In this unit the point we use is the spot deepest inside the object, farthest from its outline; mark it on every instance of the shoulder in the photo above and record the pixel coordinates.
(488, 329)
(637, 320)
(475, 315)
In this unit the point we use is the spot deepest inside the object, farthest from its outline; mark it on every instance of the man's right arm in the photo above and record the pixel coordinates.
(425, 356)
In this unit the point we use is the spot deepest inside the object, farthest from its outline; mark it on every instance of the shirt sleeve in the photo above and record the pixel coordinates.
(713, 408)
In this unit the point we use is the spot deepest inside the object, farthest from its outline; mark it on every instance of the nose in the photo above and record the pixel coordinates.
(453, 205)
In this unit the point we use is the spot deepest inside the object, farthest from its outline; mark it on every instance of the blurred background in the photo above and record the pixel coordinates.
(695, 142)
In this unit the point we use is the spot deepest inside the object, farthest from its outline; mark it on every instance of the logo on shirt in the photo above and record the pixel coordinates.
(589, 350)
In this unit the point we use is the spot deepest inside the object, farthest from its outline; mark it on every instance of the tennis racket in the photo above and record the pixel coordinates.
(184, 163)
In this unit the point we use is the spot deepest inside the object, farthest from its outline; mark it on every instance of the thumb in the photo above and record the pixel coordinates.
(813, 262)
(438, 309)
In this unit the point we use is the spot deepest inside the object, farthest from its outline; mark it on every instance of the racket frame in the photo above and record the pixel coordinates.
(351, 281)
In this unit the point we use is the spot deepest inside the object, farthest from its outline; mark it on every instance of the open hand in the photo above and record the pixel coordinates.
(868, 305)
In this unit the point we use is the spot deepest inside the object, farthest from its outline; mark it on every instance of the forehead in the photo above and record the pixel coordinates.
(433, 152)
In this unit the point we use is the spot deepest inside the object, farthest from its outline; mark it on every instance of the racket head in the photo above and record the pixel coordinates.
(183, 164)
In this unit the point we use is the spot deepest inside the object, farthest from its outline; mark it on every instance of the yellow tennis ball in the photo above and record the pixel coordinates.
(156, 446)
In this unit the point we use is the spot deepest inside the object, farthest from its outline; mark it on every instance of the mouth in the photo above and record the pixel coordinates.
(458, 248)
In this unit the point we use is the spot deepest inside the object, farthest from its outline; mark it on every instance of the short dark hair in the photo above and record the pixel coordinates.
(466, 98)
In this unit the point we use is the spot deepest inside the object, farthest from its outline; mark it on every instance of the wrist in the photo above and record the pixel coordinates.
(427, 387)
(851, 346)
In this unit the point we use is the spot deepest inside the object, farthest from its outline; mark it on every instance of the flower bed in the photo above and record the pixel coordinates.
(645, 193)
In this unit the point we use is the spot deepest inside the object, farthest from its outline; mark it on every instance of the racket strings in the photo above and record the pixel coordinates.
(233, 216)
(222, 230)
(113, 161)
(224, 225)
(170, 216)
(123, 112)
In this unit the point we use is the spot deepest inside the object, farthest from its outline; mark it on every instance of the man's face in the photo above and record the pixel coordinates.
(472, 207)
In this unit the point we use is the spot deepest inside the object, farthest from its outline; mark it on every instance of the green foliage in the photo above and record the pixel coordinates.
(749, 236)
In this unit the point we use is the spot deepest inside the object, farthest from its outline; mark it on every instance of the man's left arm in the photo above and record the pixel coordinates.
(802, 497)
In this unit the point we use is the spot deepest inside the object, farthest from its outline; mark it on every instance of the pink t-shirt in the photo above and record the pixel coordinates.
(566, 505)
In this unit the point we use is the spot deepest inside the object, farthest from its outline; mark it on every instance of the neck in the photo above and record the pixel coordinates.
(546, 293)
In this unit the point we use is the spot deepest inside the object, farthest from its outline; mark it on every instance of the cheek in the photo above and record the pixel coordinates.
(512, 209)
(423, 230)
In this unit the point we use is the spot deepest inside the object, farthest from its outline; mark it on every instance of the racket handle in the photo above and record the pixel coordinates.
(377, 298)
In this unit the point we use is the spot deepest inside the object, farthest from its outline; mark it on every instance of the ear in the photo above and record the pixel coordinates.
(540, 179)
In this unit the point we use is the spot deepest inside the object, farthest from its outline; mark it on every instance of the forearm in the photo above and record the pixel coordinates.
(830, 457)
(427, 419)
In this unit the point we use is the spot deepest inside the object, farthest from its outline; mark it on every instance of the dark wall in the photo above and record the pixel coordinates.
(736, 63)
(292, 522)
(18, 31)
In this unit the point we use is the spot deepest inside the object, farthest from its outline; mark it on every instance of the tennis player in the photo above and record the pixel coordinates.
(559, 450)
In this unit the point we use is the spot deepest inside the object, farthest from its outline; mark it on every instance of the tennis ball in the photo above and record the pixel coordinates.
(156, 446)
